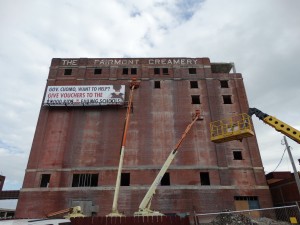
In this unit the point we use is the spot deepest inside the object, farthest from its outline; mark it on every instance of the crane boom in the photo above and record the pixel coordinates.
(279, 126)
(115, 213)
(144, 208)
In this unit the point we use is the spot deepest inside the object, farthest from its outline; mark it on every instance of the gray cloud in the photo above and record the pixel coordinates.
(260, 37)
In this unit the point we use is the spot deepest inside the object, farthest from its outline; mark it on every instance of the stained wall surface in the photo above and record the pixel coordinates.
(87, 140)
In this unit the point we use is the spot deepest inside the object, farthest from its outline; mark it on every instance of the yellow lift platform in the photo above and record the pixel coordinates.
(233, 128)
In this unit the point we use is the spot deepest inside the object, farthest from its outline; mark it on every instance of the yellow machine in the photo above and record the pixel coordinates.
(68, 213)
(239, 127)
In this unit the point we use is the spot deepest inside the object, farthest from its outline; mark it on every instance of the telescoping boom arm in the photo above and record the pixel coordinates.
(277, 124)
(144, 208)
(115, 213)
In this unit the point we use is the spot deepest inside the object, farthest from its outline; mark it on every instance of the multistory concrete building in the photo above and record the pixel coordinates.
(76, 148)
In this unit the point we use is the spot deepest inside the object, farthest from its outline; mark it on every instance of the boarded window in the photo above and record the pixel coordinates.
(246, 202)
(156, 84)
(195, 99)
(237, 155)
(224, 83)
(227, 99)
(204, 178)
(125, 179)
(193, 84)
(192, 71)
(97, 71)
(68, 72)
(45, 180)
(85, 180)
(165, 181)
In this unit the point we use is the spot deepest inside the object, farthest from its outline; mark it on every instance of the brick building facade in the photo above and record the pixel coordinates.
(75, 151)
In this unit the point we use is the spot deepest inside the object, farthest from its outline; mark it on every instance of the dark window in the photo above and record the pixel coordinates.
(68, 72)
(195, 99)
(165, 71)
(237, 155)
(45, 179)
(125, 70)
(194, 84)
(97, 71)
(204, 178)
(165, 180)
(156, 84)
(227, 99)
(156, 70)
(85, 180)
(224, 83)
(192, 71)
(125, 179)
(133, 71)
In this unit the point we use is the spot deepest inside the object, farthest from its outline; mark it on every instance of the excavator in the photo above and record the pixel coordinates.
(239, 127)
(144, 208)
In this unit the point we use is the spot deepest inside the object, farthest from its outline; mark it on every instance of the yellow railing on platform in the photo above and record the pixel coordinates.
(233, 128)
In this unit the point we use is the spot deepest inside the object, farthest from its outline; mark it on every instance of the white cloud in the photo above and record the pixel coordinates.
(260, 37)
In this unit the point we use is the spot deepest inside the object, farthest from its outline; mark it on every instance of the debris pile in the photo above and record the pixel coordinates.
(267, 221)
(240, 219)
(231, 219)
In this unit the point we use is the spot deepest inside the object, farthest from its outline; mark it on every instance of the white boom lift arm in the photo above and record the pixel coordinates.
(144, 208)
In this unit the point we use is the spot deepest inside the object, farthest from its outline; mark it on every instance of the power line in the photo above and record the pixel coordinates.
(280, 160)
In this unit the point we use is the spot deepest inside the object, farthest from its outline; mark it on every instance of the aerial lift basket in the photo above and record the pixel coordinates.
(234, 128)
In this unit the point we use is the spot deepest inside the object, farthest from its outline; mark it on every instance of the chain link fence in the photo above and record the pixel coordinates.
(285, 215)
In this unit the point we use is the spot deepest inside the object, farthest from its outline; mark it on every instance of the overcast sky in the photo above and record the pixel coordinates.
(262, 38)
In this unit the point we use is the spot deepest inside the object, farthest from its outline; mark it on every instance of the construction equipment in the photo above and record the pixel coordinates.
(69, 213)
(144, 208)
(134, 84)
(230, 129)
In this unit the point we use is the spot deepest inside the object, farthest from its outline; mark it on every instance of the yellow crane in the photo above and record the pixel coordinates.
(239, 127)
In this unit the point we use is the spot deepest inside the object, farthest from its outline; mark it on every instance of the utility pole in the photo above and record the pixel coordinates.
(293, 164)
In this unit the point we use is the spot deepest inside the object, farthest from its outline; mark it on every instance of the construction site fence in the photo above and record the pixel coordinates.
(281, 215)
(131, 220)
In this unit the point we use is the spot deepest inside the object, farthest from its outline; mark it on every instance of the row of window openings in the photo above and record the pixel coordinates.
(194, 84)
(226, 99)
(133, 71)
(91, 180)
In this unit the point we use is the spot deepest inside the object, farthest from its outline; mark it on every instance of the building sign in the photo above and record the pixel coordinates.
(85, 95)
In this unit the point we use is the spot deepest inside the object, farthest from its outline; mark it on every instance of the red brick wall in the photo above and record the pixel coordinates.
(87, 140)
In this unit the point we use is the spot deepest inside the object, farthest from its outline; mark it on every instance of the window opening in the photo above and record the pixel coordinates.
(192, 71)
(98, 71)
(195, 99)
(156, 84)
(45, 180)
(204, 178)
(125, 70)
(125, 179)
(165, 180)
(85, 180)
(237, 155)
(133, 71)
(165, 71)
(224, 83)
(227, 99)
(251, 201)
(68, 72)
(156, 71)
(193, 84)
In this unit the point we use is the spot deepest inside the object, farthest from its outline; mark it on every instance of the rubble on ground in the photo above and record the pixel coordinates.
(240, 219)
